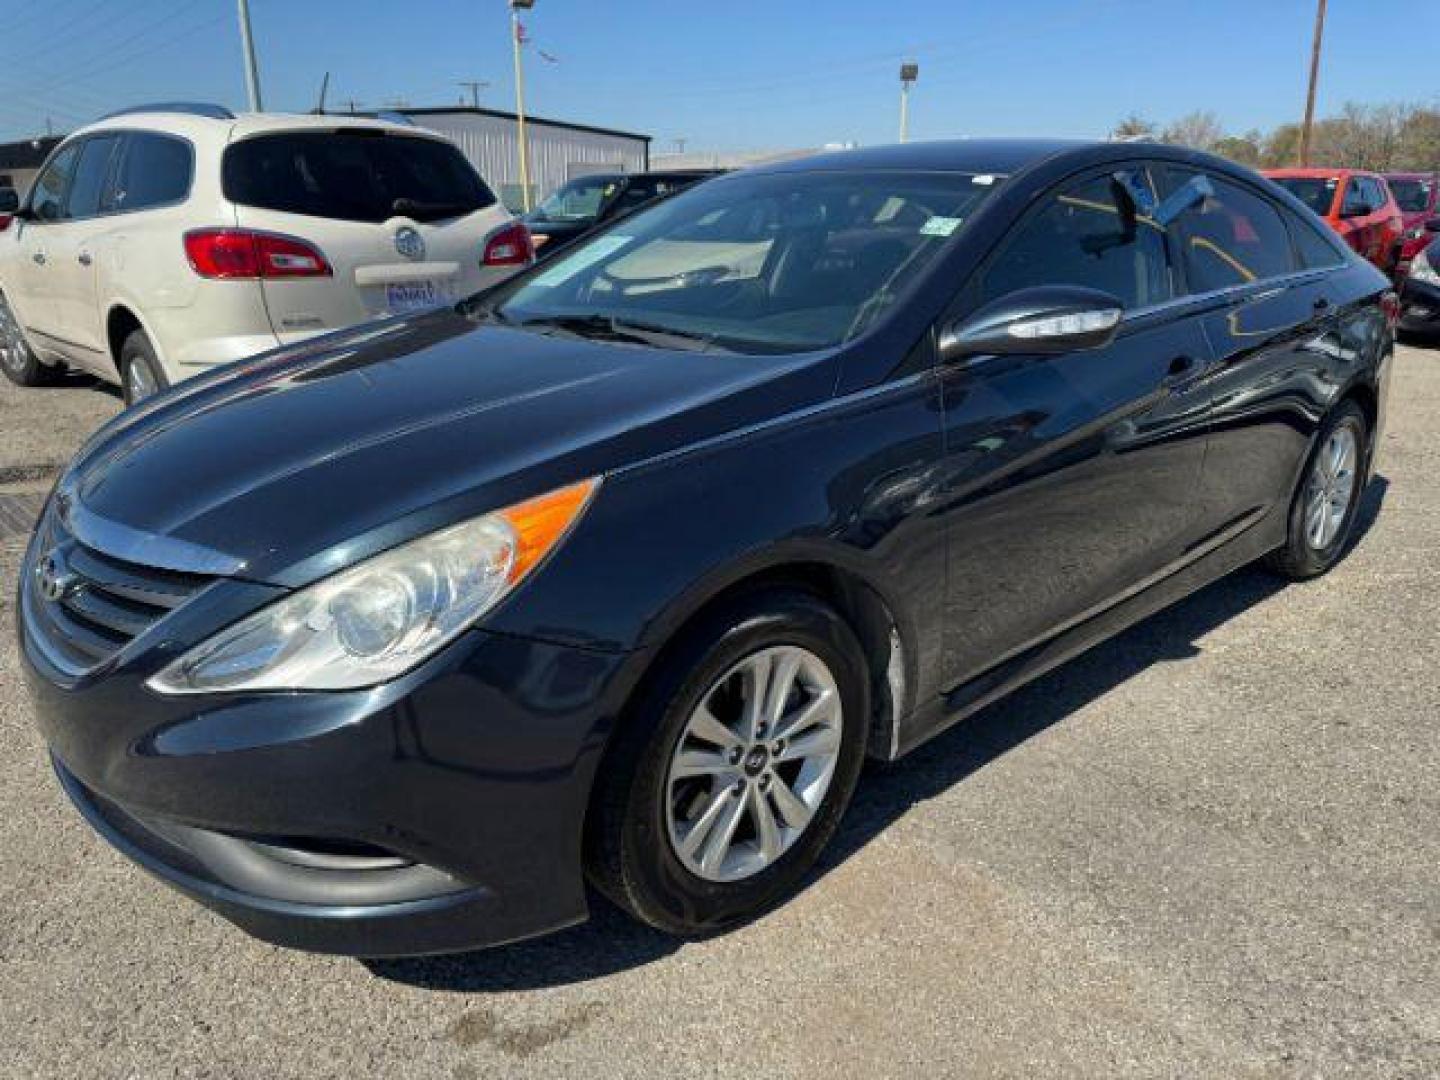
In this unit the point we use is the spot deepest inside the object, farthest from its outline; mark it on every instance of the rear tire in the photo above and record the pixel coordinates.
(645, 846)
(17, 359)
(1322, 513)
(141, 375)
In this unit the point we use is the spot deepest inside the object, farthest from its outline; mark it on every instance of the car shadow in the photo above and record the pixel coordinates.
(611, 941)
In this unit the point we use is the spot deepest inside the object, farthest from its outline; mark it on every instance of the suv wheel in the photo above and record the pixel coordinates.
(21, 366)
(140, 372)
(731, 775)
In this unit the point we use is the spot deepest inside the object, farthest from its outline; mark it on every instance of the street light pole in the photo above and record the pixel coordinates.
(252, 72)
(908, 74)
(1314, 78)
(517, 6)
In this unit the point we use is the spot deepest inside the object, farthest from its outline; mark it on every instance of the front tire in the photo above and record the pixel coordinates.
(141, 375)
(17, 360)
(731, 773)
(1322, 514)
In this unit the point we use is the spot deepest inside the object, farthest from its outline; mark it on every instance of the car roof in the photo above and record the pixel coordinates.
(1314, 172)
(243, 125)
(957, 155)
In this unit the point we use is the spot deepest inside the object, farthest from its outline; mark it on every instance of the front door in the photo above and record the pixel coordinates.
(1072, 480)
(74, 253)
(35, 299)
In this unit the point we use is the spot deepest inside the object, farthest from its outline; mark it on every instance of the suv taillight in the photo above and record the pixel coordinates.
(509, 246)
(244, 253)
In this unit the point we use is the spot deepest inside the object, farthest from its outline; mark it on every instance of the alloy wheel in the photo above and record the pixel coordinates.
(1331, 487)
(14, 354)
(139, 383)
(753, 763)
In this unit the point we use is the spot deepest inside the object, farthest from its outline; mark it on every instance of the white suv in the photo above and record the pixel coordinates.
(162, 241)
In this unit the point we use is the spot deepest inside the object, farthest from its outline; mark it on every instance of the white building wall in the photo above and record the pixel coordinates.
(557, 153)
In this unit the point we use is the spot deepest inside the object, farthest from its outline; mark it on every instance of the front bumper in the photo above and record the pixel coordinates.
(441, 812)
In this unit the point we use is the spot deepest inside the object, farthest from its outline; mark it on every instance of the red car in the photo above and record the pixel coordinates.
(1357, 205)
(1418, 194)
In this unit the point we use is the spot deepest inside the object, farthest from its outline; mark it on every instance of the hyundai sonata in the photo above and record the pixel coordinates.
(388, 642)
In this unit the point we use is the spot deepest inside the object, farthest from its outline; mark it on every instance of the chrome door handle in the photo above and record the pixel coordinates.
(84, 258)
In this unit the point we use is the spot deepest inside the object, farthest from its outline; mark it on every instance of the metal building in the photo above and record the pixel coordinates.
(559, 151)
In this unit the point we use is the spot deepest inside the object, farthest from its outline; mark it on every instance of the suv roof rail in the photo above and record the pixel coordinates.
(395, 117)
(190, 108)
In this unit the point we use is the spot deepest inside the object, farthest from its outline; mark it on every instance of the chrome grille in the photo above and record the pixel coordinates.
(84, 606)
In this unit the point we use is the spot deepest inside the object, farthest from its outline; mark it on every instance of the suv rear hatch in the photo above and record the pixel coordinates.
(401, 221)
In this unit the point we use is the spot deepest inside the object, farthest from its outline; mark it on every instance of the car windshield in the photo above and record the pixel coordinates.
(1316, 192)
(355, 174)
(1412, 195)
(783, 262)
(579, 200)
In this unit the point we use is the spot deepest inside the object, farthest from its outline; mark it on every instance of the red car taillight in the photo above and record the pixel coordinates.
(509, 246)
(243, 253)
(5, 220)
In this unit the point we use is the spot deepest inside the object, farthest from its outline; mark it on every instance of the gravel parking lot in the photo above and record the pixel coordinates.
(1209, 847)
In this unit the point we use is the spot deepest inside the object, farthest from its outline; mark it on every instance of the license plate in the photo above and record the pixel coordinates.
(414, 296)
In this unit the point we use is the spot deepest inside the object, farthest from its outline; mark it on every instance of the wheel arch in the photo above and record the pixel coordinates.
(886, 632)
(121, 320)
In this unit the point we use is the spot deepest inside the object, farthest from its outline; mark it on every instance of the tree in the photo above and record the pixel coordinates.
(1197, 130)
(1134, 127)
(1244, 149)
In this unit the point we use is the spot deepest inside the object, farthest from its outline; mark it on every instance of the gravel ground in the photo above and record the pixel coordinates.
(1208, 847)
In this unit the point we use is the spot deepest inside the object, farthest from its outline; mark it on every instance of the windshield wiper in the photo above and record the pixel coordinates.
(609, 328)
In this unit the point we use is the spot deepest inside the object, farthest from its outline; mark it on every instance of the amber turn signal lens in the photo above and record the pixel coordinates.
(540, 523)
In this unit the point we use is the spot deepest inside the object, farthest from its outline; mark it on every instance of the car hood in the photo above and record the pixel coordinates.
(303, 460)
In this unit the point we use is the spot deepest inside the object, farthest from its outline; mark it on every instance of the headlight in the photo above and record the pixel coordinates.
(1421, 268)
(382, 616)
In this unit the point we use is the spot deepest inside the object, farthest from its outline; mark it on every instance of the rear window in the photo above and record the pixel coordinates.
(356, 175)
(1316, 192)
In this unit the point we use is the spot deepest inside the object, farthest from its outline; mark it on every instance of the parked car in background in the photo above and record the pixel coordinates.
(1357, 205)
(588, 202)
(1420, 293)
(162, 241)
(384, 643)
(1418, 196)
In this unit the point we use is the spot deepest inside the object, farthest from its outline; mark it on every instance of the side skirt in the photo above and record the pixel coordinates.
(1249, 542)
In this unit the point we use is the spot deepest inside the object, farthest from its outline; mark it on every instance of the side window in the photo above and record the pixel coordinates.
(1315, 251)
(1089, 234)
(1379, 193)
(1232, 237)
(154, 170)
(52, 188)
(90, 175)
(1354, 196)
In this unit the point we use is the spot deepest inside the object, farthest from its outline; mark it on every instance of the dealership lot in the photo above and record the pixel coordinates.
(1207, 847)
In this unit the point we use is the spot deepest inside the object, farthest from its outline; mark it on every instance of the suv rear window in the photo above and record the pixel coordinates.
(356, 175)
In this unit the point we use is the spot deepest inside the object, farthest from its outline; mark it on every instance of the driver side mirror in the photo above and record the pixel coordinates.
(1046, 320)
(9, 201)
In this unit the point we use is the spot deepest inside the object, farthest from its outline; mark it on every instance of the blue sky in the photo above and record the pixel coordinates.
(733, 74)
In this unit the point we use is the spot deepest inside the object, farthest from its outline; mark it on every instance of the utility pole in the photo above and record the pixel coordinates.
(516, 35)
(1314, 78)
(324, 89)
(252, 73)
(474, 86)
(909, 72)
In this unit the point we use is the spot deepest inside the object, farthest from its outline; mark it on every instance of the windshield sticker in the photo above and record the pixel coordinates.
(940, 226)
(571, 265)
(893, 205)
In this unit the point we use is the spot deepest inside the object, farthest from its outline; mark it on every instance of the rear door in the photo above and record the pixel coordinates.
(1072, 478)
(1259, 278)
(72, 253)
(401, 219)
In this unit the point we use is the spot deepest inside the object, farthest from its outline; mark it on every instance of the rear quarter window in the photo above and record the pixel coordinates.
(357, 175)
(155, 170)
